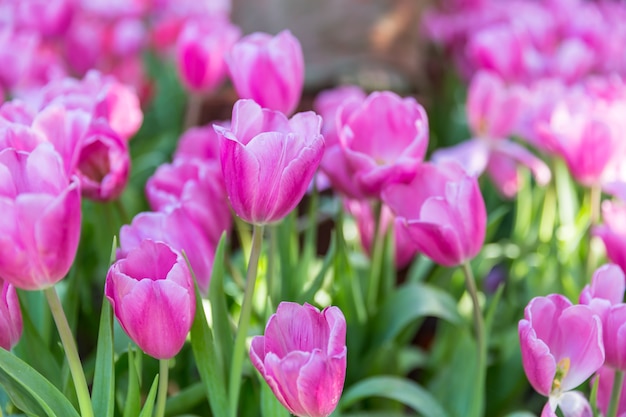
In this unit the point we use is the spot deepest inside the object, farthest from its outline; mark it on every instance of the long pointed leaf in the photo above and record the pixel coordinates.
(149, 404)
(102, 394)
(219, 311)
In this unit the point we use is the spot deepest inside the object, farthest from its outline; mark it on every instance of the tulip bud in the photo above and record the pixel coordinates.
(152, 294)
(302, 357)
(10, 316)
(268, 69)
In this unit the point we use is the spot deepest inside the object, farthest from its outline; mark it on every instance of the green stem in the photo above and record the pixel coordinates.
(595, 246)
(244, 321)
(378, 246)
(194, 111)
(164, 369)
(479, 327)
(618, 382)
(71, 352)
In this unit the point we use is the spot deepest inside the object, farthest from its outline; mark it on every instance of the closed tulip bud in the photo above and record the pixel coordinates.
(200, 51)
(443, 212)
(152, 294)
(268, 161)
(302, 357)
(41, 218)
(10, 316)
(268, 69)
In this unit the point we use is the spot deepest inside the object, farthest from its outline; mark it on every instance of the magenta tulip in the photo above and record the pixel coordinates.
(41, 218)
(561, 347)
(268, 69)
(443, 212)
(268, 161)
(606, 289)
(200, 51)
(384, 139)
(201, 142)
(10, 316)
(302, 357)
(152, 294)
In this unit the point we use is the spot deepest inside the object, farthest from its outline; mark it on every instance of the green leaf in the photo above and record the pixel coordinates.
(318, 281)
(102, 393)
(149, 404)
(270, 406)
(408, 303)
(403, 390)
(132, 404)
(30, 391)
(207, 360)
(185, 399)
(219, 310)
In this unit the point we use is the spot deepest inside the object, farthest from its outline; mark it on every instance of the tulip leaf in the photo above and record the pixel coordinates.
(207, 360)
(133, 402)
(318, 281)
(219, 310)
(408, 303)
(102, 393)
(403, 390)
(30, 391)
(149, 404)
(270, 406)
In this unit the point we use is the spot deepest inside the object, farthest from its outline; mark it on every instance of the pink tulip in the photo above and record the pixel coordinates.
(152, 294)
(176, 228)
(268, 69)
(606, 289)
(561, 347)
(613, 231)
(41, 218)
(200, 142)
(302, 357)
(200, 52)
(605, 388)
(384, 139)
(10, 316)
(445, 215)
(103, 163)
(268, 161)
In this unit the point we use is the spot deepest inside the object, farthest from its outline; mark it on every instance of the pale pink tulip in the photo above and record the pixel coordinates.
(302, 357)
(152, 294)
(268, 69)
(445, 215)
(41, 218)
(268, 161)
(613, 231)
(606, 289)
(10, 316)
(606, 374)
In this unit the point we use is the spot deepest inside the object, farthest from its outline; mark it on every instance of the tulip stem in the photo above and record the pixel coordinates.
(378, 244)
(479, 327)
(595, 245)
(194, 111)
(244, 321)
(618, 382)
(71, 352)
(164, 369)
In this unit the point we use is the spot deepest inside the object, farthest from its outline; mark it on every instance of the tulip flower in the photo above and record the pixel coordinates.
(606, 289)
(302, 357)
(200, 51)
(561, 347)
(606, 376)
(10, 316)
(268, 69)
(613, 231)
(445, 215)
(268, 160)
(201, 142)
(152, 295)
(41, 218)
(384, 139)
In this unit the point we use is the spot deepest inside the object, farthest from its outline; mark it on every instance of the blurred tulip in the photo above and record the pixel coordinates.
(152, 294)
(606, 289)
(561, 347)
(10, 316)
(613, 231)
(200, 142)
(302, 357)
(384, 139)
(268, 160)
(41, 218)
(605, 379)
(268, 69)
(445, 215)
(200, 52)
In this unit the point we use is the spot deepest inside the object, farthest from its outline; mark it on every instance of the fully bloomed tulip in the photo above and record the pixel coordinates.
(613, 231)
(152, 294)
(384, 139)
(268, 160)
(561, 347)
(268, 69)
(302, 357)
(200, 51)
(443, 212)
(10, 316)
(41, 217)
